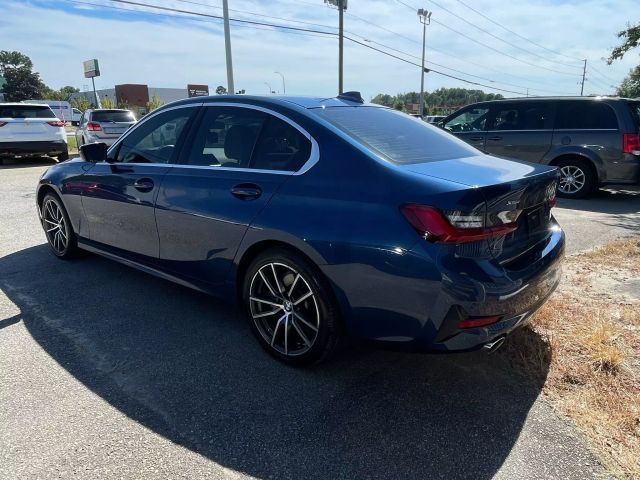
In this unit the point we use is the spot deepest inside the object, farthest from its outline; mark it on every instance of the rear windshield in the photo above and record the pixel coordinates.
(396, 136)
(635, 112)
(112, 116)
(27, 111)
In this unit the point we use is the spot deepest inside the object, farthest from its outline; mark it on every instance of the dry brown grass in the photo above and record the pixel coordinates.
(588, 348)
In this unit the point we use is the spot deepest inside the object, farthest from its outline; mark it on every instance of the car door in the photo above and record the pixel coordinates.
(231, 165)
(520, 130)
(119, 195)
(469, 124)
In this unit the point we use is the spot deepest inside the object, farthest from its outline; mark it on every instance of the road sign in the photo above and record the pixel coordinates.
(91, 68)
(198, 90)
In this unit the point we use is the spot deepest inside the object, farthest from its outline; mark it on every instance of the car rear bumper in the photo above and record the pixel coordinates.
(33, 148)
(108, 141)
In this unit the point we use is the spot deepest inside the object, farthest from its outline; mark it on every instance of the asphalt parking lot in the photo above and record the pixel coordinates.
(106, 372)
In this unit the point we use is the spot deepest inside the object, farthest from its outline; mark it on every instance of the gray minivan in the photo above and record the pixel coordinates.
(594, 141)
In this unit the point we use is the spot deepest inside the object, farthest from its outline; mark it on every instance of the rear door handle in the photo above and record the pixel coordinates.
(495, 139)
(143, 185)
(246, 191)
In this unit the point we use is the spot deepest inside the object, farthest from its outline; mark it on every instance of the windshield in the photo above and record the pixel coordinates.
(27, 111)
(112, 116)
(396, 136)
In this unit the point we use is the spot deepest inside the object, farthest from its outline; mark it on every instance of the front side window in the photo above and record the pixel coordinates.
(585, 115)
(526, 116)
(396, 136)
(154, 141)
(471, 120)
(237, 137)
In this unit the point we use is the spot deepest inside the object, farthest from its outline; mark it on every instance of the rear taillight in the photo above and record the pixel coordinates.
(2, 124)
(56, 123)
(455, 227)
(94, 127)
(631, 143)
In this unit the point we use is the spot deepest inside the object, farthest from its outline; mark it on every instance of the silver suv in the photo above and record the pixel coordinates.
(594, 141)
(103, 125)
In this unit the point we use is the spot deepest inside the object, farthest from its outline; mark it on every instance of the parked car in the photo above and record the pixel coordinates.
(433, 118)
(594, 141)
(323, 217)
(103, 125)
(30, 130)
(63, 110)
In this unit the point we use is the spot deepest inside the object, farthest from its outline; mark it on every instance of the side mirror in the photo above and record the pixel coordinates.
(94, 152)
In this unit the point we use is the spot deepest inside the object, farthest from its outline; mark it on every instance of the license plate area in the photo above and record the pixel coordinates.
(536, 218)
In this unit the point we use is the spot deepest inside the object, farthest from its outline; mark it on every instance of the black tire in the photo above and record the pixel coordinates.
(581, 173)
(312, 328)
(63, 156)
(52, 212)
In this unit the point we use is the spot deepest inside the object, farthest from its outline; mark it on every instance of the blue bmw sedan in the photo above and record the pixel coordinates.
(323, 218)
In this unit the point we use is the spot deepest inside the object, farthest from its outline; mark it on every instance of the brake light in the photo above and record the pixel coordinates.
(94, 127)
(477, 322)
(56, 123)
(434, 226)
(631, 143)
(553, 201)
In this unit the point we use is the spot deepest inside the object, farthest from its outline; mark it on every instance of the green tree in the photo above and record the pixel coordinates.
(80, 103)
(154, 103)
(64, 94)
(22, 83)
(630, 86)
(631, 40)
(398, 105)
(220, 90)
(106, 102)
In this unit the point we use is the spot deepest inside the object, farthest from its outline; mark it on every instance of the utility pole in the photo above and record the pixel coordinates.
(227, 47)
(584, 73)
(425, 19)
(342, 6)
(284, 89)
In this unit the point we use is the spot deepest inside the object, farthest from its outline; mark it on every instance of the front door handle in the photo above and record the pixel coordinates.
(143, 185)
(495, 139)
(476, 139)
(246, 191)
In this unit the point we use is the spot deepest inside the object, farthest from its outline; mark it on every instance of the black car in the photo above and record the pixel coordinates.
(593, 140)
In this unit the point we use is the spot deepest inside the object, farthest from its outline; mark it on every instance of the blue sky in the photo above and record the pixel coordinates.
(163, 49)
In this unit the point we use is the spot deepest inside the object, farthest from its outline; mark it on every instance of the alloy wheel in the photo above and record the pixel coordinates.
(572, 179)
(55, 226)
(284, 309)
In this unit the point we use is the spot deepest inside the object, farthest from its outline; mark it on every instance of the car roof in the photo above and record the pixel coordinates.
(283, 100)
(558, 98)
(20, 104)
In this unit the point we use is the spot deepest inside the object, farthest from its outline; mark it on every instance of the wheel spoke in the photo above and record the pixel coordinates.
(52, 223)
(312, 327)
(286, 335)
(266, 282)
(268, 302)
(299, 330)
(273, 270)
(275, 330)
(266, 314)
(50, 210)
(293, 285)
(62, 233)
(304, 297)
(52, 229)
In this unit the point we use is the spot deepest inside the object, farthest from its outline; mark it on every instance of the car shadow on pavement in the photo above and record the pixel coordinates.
(26, 162)
(187, 367)
(609, 201)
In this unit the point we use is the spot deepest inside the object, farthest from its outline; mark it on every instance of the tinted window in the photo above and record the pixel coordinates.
(112, 116)
(28, 111)
(635, 112)
(470, 120)
(585, 115)
(154, 141)
(524, 116)
(280, 147)
(226, 137)
(396, 136)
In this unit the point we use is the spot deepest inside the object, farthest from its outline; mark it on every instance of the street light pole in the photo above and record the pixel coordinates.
(342, 6)
(227, 47)
(269, 86)
(425, 19)
(284, 89)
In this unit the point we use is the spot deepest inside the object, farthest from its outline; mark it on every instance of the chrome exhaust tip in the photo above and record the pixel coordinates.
(492, 346)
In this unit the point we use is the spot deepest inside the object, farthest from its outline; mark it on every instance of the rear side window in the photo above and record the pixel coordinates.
(634, 107)
(524, 116)
(585, 115)
(28, 111)
(396, 136)
(112, 116)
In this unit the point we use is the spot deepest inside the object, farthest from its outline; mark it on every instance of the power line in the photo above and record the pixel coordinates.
(516, 33)
(490, 47)
(603, 76)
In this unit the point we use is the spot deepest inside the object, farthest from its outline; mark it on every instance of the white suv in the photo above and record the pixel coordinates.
(29, 130)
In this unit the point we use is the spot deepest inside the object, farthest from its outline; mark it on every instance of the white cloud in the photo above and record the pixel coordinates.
(165, 51)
